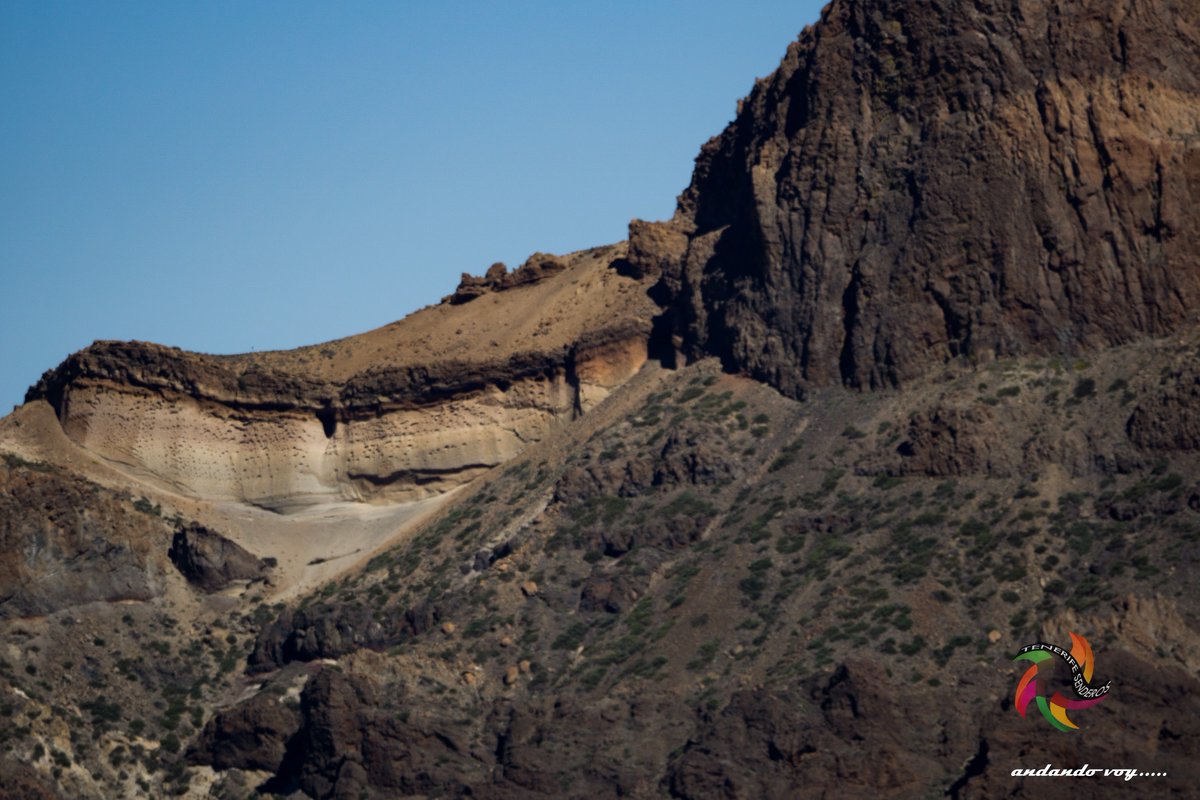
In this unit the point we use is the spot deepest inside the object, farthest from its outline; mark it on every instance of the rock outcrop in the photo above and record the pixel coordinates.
(920, 181)
(211, 561)
(684, 459)
(403, 412)
(536, 268)
(1169, 419)
(65, 541)
(252, 735)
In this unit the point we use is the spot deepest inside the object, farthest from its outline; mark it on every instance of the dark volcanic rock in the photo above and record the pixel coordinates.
(65, 541)
(252, 735)
(331, 631)
(611, 593)
(537, 267)
(1153, 717)
(210, 561)
(1169, 418)
(954, 442)
(322, 632)
(847, 738)
(362, 736)
(925, 180)
(351, 740)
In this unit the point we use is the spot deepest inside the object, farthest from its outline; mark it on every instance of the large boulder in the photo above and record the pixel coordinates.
(210, 561)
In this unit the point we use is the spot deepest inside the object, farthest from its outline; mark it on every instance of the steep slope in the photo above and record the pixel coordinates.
(923, 181)
(708, 590)
(65, 541)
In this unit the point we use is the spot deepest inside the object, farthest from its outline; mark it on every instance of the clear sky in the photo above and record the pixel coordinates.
(232, 176)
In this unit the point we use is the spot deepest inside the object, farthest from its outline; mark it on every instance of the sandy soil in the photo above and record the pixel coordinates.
(542, 317)
(320, 542)
(312, 545)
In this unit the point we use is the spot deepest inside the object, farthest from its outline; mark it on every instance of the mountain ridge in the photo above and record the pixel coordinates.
(955, 180)
(760, 502)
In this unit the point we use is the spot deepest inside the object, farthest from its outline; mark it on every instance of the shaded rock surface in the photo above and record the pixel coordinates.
(210, 561)
(686, 458)
(925, 180)
(65, 541)
(844, 737)
(1169, 419)
(252, 735)
(956, 441)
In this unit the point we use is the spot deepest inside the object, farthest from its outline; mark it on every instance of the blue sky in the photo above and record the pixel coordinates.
(228, 176)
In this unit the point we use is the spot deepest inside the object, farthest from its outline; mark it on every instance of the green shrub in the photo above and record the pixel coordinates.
(14, 461)
(144, 505)
(571, 638)
(704, 655)
(886, 482)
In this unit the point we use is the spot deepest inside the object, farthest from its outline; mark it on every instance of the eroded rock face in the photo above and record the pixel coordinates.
(210, 561)
(332, 631)
(843, 737)
(65, 541)
(1160, 701)
(1169, 419)
(303, 635)
(400, 413)
(251, 735)
(850, 731)
(404, 434)
(946, 441)
(925, 180)
(298, 453)
(349, 742)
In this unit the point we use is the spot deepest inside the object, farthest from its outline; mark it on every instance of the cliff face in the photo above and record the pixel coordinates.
(921, 181)
(411, 409)
(66, 542)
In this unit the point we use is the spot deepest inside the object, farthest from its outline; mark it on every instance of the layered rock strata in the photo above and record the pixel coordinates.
(412, 409)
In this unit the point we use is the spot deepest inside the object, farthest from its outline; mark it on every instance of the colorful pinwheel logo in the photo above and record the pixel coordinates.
(1080, 660)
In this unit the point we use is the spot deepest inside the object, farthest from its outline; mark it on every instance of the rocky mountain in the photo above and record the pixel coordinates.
(761, 503)
(924, 181)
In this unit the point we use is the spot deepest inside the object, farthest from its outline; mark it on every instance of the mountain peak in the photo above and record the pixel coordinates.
(920, 181)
